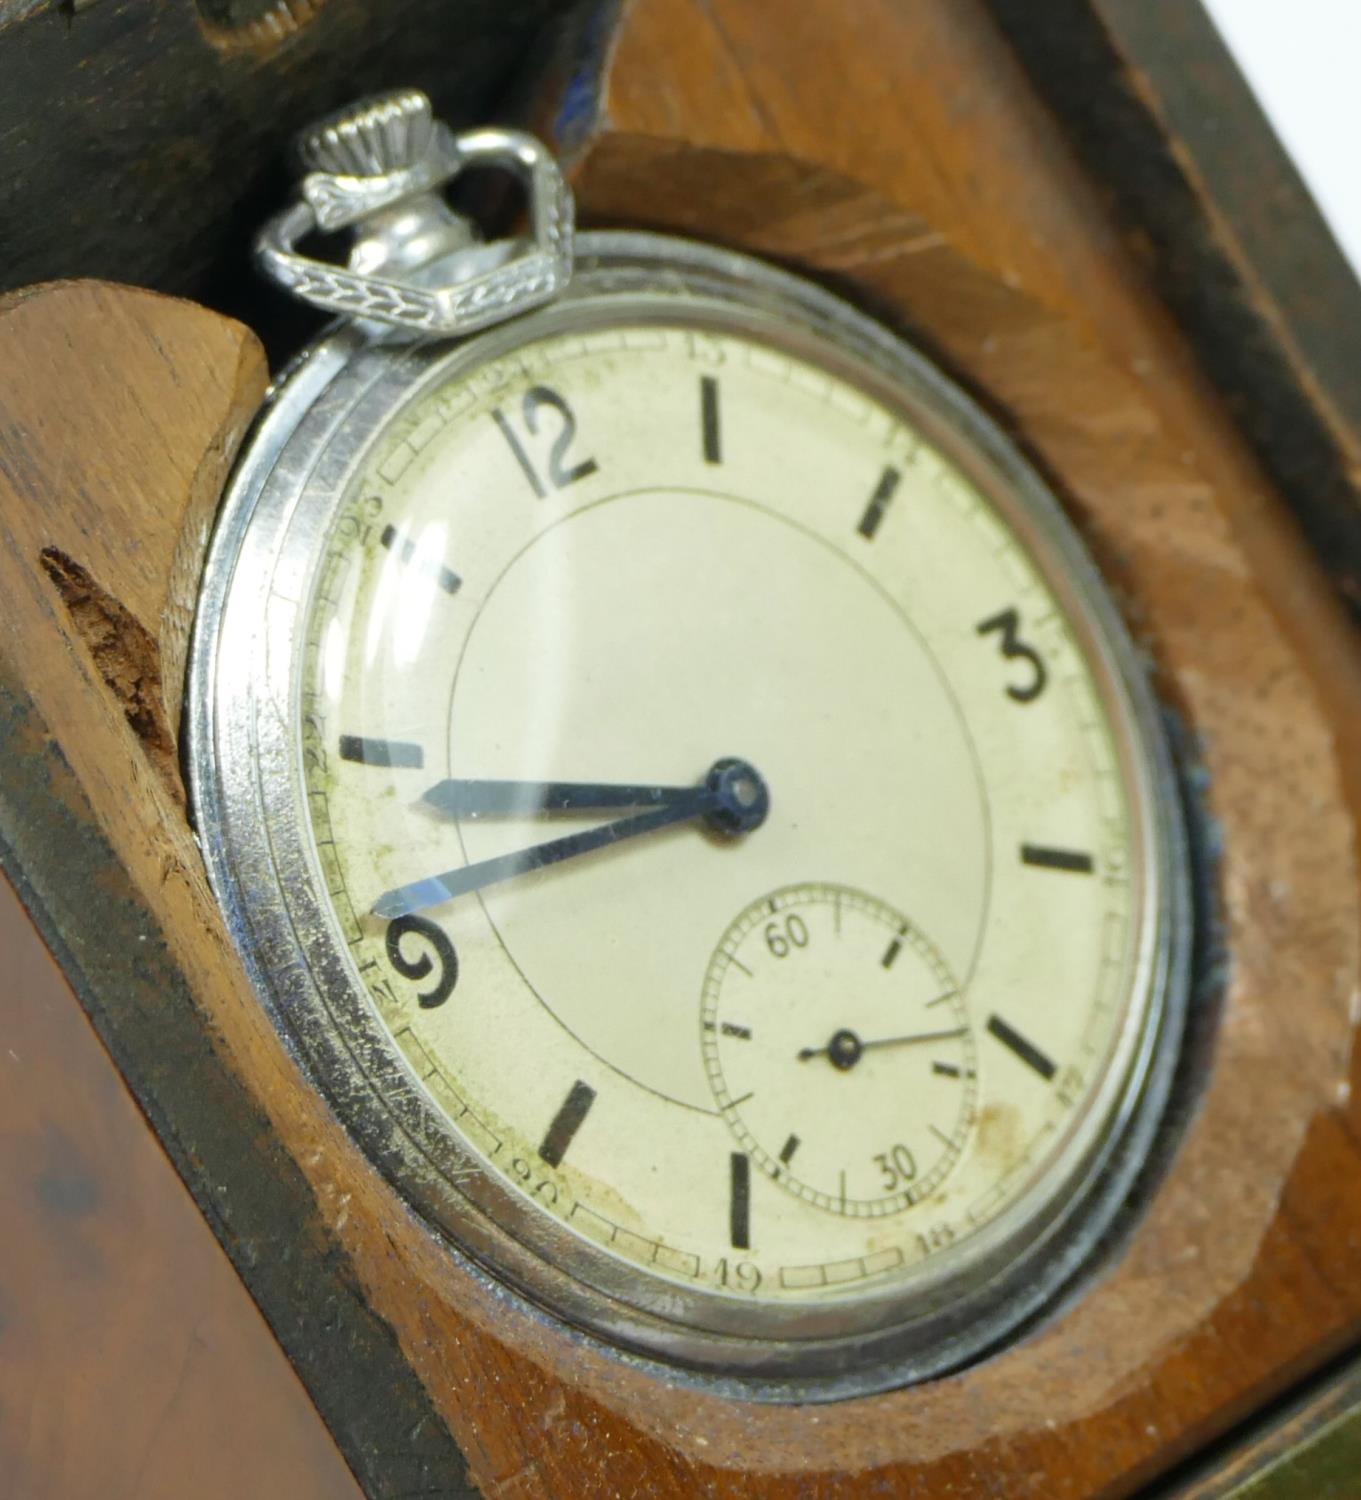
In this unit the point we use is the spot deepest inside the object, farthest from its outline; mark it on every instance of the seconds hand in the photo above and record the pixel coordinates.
(845, 1047)
(732, 796)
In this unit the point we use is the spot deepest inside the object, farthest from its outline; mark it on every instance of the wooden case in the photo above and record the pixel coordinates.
(898, 153)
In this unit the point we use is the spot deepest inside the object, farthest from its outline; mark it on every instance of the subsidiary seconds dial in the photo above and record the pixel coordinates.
(839, 1049)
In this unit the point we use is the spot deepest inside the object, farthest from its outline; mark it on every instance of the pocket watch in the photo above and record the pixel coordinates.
(678, 783)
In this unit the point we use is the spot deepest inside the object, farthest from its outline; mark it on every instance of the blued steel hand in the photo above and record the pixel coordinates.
(732, 796)
(512, 799)
(845, 1048)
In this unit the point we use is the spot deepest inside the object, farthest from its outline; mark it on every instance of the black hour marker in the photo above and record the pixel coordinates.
(567, 1122)
(892, 951)
(1057, 859)
(739, 1215)
(731, 1028)
(788, 1150)
(879, 500)
(404, 549)
(708, 414)
(946, 1070)
(1027, 1051)
(367, 752)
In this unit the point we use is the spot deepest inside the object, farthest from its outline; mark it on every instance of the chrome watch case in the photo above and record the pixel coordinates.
(244, 756)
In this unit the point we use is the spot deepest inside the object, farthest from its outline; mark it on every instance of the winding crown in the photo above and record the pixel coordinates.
(372, 138)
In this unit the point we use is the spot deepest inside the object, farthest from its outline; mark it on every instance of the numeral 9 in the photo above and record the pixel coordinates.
(423, 963)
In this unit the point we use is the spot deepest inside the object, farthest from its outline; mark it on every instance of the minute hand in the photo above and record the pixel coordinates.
(732, 796)
(692, 802)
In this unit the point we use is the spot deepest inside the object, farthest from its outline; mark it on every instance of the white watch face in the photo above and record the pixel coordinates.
(777, 1061)
(726, 798)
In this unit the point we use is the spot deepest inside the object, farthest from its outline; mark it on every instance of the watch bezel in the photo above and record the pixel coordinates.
(243, 705)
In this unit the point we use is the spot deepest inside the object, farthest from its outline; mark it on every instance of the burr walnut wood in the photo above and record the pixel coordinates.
(895, 152)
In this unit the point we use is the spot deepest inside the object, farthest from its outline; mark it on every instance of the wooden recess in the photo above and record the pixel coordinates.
(896, 153)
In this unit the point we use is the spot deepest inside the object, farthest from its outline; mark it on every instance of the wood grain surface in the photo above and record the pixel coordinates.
(1217, 216)
(941, 197)
(132, 1360)
(1309, 1449)
(119, 408)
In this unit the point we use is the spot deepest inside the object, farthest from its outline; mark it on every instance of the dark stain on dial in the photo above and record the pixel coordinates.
(1000, 1137)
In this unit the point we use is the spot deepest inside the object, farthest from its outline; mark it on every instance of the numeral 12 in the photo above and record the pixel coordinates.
(560, 471)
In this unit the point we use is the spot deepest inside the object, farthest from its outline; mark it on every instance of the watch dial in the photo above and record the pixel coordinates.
(735, 822)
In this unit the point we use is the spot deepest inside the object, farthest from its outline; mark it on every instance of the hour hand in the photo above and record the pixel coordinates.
(435, 889)
(732, 797)
(528, 799)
